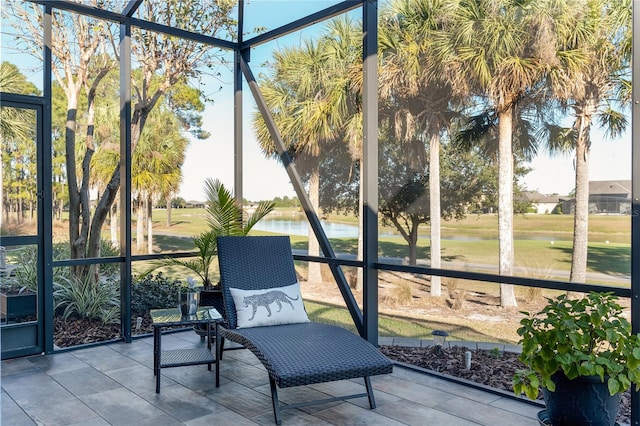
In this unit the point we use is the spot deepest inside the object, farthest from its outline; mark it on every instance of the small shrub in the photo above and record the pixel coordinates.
(452, 285)
(495, 352)
(153, 292)
(27, 272)
(533, 294)
(107, 249)
(458, 301)
(86, 298)
(401, 294)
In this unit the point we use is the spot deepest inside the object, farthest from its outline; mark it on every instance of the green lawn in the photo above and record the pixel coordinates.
(394, 325)
(550, 248)
(467, 243)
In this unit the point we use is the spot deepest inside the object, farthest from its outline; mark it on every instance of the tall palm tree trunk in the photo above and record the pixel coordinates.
(139, 226)
(505, 204)
(149, 224)
(169, 207)
(581, 213)
(434, 212)
(315, 273)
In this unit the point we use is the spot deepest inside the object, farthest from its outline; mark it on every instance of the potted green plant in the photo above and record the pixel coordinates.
(224, 217)
(574, 349)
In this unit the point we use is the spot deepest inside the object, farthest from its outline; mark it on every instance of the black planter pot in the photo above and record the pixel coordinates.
(581, 401)
(211, 298)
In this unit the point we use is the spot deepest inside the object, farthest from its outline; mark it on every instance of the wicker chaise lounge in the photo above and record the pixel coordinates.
(294, 351)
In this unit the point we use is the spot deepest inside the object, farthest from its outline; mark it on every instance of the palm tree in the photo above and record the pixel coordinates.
(225, 217)
(342, 48)
(309, 109)
(498, 51)
(588, 90)
(422, 94)
(164, 163)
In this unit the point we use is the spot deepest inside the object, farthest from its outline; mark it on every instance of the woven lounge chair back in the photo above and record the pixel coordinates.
(253, 263)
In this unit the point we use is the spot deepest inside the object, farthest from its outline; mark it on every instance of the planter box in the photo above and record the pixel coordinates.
(18, 306)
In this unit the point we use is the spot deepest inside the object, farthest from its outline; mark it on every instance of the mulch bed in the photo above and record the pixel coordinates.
(76, 331)
(491, 368)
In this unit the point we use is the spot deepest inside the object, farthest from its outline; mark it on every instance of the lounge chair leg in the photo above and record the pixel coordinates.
(274, 401)
(372, 400)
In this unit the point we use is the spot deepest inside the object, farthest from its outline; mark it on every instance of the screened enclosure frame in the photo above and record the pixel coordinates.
(366, 320)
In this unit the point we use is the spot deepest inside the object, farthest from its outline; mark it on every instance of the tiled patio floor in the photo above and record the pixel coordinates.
(114, 385)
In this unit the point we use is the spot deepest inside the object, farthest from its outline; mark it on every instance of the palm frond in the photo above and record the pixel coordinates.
(223, 214)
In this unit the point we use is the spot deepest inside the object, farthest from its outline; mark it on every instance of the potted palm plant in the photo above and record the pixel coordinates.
(224, 217)
(583, 355)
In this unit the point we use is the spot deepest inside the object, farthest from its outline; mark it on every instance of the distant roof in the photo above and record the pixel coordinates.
(610, 187)
(536, 197)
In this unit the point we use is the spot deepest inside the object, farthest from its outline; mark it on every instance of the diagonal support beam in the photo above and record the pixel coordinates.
(294, 176)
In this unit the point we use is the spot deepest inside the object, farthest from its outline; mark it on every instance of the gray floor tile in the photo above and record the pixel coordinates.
(114, 385)
(17, 366)
(12, 414)
(58, 363)
(411, 413)
(85, 381)
(67, 412)
(139, 379)
(349, 414)
(121, 407)
(182, 403)
(481, 414)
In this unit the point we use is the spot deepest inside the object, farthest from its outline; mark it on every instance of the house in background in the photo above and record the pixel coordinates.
(195, 204)
(605, 197)
(541, 203)
(610, 196)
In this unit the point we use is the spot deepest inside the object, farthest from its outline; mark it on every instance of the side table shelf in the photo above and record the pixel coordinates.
(184, 356)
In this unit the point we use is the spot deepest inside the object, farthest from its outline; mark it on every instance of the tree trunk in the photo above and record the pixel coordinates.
(581, 212)
(169, 207)
(315, 273)
(149, 225)
(139, 226)
(434, 212)
(20, 210)
(113, 216)
(505, 205)
(413, 243)
(76, 245)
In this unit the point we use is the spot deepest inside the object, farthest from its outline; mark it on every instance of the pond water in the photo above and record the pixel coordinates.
(301, 227)
(298, 226)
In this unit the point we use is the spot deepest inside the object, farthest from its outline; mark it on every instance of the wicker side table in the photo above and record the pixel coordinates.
(162, 318)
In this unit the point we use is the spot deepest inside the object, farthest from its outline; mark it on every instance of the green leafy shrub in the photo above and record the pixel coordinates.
(86, 298)
(27, 272)
(153, 292)
(583, 337)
